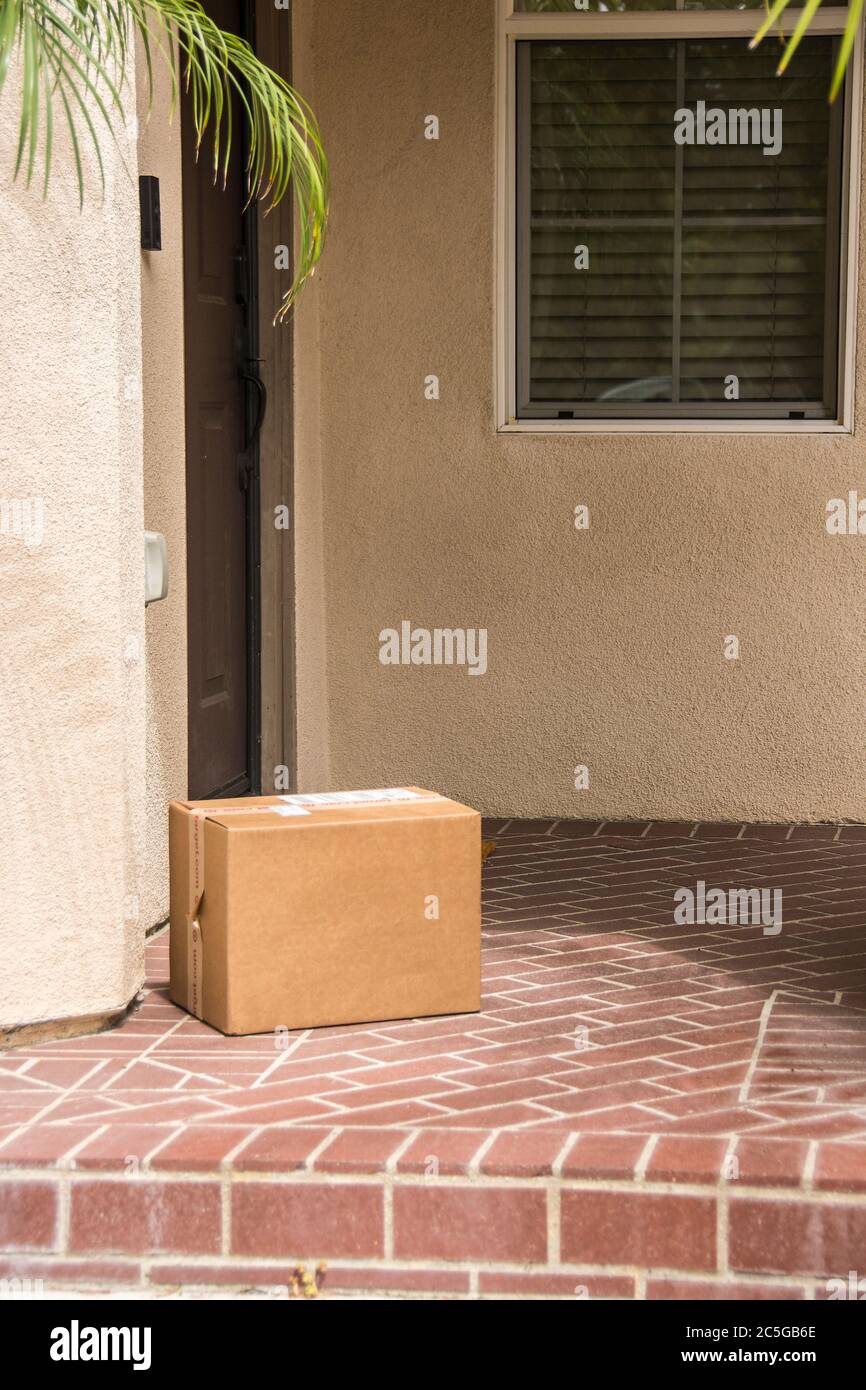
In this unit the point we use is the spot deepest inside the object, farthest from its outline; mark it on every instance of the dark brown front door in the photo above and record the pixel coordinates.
(218, 349)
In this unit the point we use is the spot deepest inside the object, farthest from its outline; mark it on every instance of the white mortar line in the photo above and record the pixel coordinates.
(388, 1216)
(743, 1097)
(140, 1056)
(152, 1152)
(46, 1110)
(391, 1165)
(646, 1154)
(473, 1167)
(281, 1058)
(72, 1153)
(188, 1073)
(730, 1151)
(511, 1266)
(570, 1141)
(554, 1223)
(229, 1158)
(808, 1178)
(722, 1229)
(64, 1205)
(301, 1178)
(225, 1212)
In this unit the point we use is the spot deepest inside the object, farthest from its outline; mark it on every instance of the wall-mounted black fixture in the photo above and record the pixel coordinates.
(151, 226)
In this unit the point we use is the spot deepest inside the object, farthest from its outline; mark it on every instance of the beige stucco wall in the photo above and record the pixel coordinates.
(605, 648)
(72, 690)
(164, 454)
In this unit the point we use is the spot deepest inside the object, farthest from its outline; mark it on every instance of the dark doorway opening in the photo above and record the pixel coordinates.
(225, 404)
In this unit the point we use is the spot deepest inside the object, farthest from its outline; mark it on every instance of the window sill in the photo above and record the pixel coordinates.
(548, 427)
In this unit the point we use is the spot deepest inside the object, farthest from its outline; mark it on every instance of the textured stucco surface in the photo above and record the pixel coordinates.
(606, 647)
(159, 153)
(71, 608)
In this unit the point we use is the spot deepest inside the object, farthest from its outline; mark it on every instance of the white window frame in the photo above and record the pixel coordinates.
(654, 24)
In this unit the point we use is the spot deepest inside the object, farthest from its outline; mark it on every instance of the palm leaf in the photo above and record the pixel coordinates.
(846, 46)
(775, 11)
(78, 53)
(801, 26)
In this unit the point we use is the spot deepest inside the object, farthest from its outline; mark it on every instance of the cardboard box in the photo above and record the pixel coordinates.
(301, 911)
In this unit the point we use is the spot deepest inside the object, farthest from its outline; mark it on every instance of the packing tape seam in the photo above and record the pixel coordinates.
(194, 968)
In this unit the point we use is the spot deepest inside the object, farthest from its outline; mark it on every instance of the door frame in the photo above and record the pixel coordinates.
(253, 498)
(270, 586)
(276, 576)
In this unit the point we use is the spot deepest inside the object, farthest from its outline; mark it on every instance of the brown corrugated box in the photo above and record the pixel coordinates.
(299, 912)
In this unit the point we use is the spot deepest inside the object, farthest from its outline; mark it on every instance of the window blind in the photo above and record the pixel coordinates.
(657, 277)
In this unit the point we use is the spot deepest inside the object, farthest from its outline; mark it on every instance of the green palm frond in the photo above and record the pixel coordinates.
(75, 55)
(776, 9)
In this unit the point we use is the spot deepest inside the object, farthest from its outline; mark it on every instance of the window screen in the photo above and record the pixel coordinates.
(678, 230)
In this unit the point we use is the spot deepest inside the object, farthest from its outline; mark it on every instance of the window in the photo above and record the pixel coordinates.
(679, 219)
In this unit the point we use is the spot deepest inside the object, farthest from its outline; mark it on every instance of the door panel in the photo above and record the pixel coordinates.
(218, 619)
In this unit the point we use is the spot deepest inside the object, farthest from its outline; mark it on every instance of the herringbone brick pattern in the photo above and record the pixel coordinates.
(637, 1103)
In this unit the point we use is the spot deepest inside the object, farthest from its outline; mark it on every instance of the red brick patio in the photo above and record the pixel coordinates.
(642, 1109)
